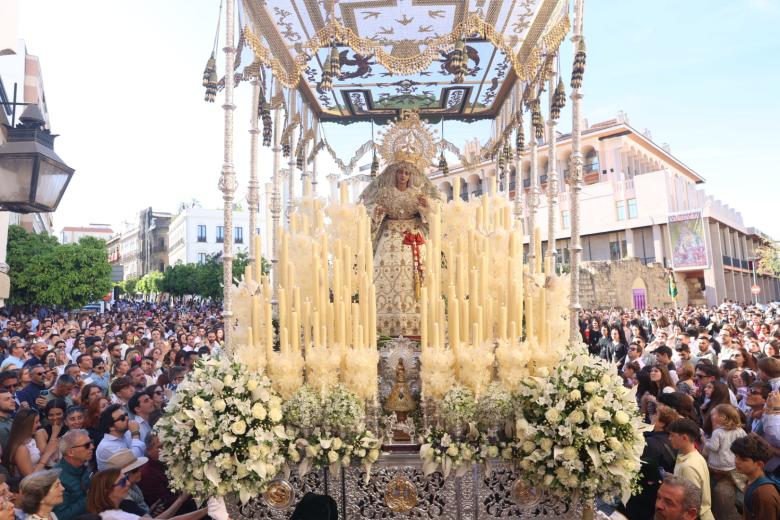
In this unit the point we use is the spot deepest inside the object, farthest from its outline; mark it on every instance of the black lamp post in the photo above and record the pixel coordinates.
(32, 177)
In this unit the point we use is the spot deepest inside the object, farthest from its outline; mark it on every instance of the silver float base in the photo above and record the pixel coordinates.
(474, 496)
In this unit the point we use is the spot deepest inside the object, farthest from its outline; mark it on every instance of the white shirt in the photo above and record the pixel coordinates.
(719, 454)
(117, 514)
(110, 445)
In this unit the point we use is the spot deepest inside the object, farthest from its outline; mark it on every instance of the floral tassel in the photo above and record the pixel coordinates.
(445, 169)
(537, 120)
(578, 69)
(559, 100)
(211, 87)
(457, 62)
(520, 137)
(267, 126)
(374, 166)
(286, 149)
(211, 66)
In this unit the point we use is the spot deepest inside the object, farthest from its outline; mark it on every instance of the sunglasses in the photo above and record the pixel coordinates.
(158, 392)
(122, 482)
(122, 417)
(85, 445)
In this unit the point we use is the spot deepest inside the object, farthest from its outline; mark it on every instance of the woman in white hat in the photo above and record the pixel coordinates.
(130, 465)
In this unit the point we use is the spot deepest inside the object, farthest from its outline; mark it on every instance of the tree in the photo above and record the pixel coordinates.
(204, 280)
(768, 256)
(45, 272)
(150, 283)
(131, 286)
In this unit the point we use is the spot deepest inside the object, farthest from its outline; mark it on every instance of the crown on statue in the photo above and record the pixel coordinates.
(408, 140)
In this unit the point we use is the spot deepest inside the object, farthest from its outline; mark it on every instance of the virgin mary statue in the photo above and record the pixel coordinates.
(399, 201)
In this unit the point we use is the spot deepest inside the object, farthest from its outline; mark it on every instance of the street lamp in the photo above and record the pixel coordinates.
(32, 177)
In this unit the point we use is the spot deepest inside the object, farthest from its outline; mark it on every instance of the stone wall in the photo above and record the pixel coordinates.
(611, 284)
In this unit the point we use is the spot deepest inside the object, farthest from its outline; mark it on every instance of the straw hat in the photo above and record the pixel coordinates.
(125, 461)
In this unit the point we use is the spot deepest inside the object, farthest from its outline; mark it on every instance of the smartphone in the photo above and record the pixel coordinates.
(43, 393)
(52, 363)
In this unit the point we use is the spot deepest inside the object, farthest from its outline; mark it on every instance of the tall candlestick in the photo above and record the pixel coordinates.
(343, 193)
(456, 189)
(423, 319)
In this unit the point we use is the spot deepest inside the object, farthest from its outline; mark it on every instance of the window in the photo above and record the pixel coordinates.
(591, 162)
(201, 233)
(614, 251)
(621, 209)
(220, 233)
(238, 235)
(201, 258)
(632, 210)
(257, 231)
(565, 221)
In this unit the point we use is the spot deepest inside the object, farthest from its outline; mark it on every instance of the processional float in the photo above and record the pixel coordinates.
(403, 345)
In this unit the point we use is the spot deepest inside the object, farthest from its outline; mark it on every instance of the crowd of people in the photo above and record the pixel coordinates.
(707, 382)
(79, 396)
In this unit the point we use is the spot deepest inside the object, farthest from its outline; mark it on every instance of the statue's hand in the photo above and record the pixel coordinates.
(422, 200)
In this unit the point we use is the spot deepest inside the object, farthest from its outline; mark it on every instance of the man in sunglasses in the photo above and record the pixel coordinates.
(76, 448)
(756, 402)
(115, 423)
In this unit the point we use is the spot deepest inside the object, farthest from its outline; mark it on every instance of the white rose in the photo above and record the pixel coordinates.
(574, 481)
(452, 451)
(252, 384)
(219, 405)
(546, 444)
(294, 455)
(258, 412)
(548, 479)
(254, 452)
(606, 380)
(361, 453)
(311, 451)
(552, 415)
(345, 460)
(569, 453)
(575, 395)
(275, 414)
(373, 455)
(601, 415)
(528, 446)
(337, 444)
(591, 386)
(506, 453)
(614, 444)
(621, 417)
(238, 427)
(492, 452)
(333, 456)
(228, 380)
(596, 433)
(576, 417)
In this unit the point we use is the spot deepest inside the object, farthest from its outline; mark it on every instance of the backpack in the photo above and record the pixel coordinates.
(756, 484)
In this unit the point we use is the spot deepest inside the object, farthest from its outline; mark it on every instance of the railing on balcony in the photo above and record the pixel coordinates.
(476, 193)
(526, 183)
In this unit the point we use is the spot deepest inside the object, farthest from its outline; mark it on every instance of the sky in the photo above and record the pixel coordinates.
(123, 84)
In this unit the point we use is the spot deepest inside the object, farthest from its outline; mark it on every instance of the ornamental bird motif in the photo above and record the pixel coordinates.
(363, 64)
(471, 55)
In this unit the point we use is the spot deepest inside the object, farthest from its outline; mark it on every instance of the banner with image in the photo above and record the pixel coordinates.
(686, 234)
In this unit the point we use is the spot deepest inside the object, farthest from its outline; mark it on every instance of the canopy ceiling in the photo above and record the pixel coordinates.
(396, 54)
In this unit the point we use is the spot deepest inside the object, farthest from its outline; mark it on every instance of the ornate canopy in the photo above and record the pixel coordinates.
(398, 54)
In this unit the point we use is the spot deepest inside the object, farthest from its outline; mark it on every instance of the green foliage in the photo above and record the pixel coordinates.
(768, 260)
(130, 286)
(150, 283)
(48, 273)
(204, 280)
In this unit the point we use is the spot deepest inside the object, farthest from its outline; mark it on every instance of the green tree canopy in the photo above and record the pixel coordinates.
(45, 272)
(204, 280)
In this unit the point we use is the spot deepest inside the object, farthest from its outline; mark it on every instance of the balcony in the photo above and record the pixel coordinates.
(526, 183)
(202, 238)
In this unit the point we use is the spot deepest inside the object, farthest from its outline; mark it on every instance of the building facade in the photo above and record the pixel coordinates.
(196, 233)
(638, 202)
(72, 234)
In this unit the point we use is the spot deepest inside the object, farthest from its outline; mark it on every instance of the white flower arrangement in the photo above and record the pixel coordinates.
(342, 411)
(222, 432)
(458, 408)
(326, 450)
(303, 410)
(440, 452)
(579, 430)
(495, 408)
